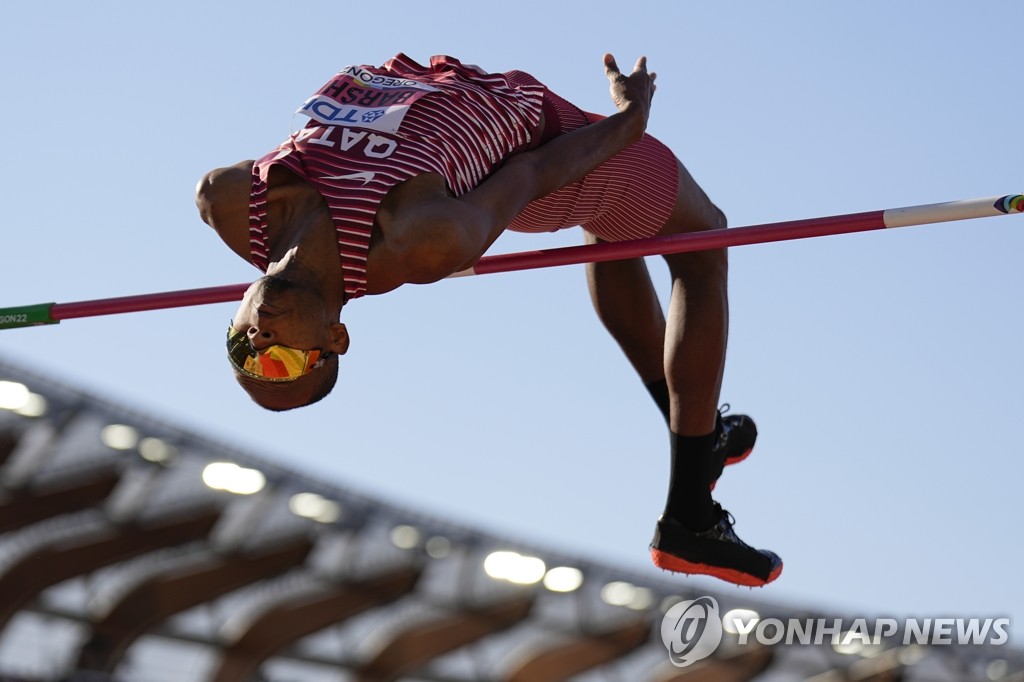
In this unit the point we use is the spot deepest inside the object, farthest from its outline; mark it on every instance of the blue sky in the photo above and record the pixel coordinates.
(883, 369)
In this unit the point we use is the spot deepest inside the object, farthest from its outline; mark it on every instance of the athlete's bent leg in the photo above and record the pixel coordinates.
(628, 306)
(698, 321)
(695, 535)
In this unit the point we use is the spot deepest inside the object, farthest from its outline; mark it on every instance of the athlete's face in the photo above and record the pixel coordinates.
(277, 311)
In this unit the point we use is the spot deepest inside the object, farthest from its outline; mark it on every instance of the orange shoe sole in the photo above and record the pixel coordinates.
(676, 565)
(730, 462)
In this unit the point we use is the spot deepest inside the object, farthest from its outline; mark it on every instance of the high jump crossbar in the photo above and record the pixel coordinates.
(52, 313)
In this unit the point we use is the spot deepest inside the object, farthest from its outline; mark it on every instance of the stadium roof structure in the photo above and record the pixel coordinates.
(135, 550)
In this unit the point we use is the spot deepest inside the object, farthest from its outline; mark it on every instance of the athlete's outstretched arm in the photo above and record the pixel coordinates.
(457, 231)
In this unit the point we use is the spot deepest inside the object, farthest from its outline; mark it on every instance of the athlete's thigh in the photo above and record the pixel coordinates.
(634, 193)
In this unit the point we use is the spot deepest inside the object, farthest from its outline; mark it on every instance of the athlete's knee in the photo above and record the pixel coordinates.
(708, 217)
(694, 214)
(698, 216)
(719, 220)
(708, 267)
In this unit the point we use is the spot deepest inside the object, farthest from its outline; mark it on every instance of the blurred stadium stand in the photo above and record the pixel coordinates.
(133, 550)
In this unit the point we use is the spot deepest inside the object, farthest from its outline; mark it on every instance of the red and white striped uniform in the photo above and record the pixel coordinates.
(629, 196)
(375, 127)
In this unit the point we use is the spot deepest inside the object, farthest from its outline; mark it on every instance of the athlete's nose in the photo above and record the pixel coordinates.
(260, 338)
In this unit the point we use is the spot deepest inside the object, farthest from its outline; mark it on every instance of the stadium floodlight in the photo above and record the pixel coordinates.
(734, 619)
(643, 599)
(119, 437)
(34, 406)
(17, 398)
(13, 395)
(405, 537)
(514, 567)
(438, 547)
(155, 450)
(563, 579)
(230, 477)
(848, 645)
(621, 593)
(315, 507)
(618, 593)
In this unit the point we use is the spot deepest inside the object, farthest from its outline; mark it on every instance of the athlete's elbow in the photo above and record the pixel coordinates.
(533, 175)
(440, 261)
(430, 268)
(444, 253)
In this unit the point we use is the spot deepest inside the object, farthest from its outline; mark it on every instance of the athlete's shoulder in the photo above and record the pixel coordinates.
(222, 197)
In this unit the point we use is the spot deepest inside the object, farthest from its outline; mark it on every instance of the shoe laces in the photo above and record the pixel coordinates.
(721, 427)
(726, 515)
(730, 522)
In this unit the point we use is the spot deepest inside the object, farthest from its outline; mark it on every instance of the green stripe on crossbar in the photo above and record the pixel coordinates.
(26, 316)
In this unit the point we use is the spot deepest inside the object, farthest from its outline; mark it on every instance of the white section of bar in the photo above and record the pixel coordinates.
(944, 212)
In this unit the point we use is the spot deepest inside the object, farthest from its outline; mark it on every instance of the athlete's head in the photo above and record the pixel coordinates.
(284, 344)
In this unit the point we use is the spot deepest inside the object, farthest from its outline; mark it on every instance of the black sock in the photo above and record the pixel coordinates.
(689, 492)
(659, 391)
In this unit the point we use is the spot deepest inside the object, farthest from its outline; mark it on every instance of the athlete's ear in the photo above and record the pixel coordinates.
(339, 339)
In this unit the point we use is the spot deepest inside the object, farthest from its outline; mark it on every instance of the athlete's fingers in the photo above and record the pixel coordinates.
(641, 65)
(611, 69)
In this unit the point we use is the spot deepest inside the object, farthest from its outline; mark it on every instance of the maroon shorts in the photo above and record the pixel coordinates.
(630, 196)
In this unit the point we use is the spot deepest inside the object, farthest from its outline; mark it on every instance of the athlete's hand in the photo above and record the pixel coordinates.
(632, 93)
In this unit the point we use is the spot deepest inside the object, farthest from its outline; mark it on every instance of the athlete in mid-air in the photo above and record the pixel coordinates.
(406, 174)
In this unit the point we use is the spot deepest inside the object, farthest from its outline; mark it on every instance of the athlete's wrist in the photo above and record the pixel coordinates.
(632, 120)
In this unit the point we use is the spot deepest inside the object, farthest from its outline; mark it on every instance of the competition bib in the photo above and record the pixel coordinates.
(362, 99)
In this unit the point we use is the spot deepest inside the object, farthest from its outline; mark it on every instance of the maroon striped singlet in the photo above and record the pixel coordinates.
(372, 128)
